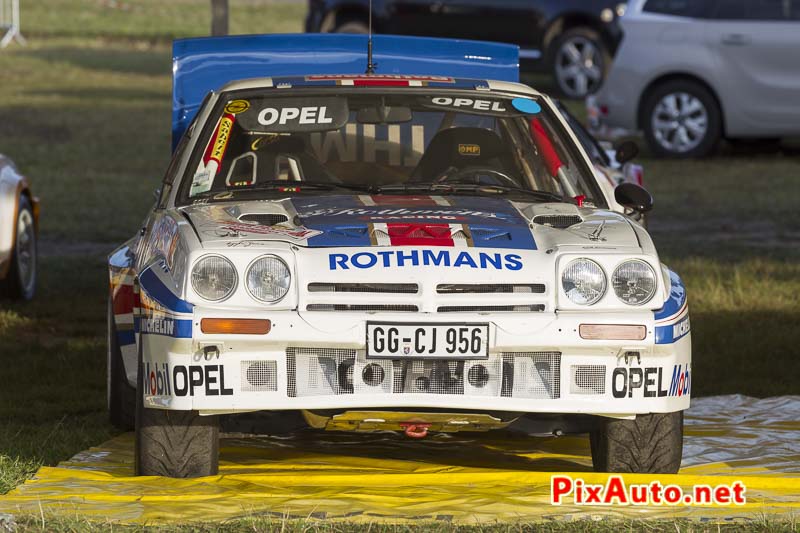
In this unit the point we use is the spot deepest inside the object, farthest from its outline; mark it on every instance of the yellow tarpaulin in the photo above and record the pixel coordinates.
(494, 477)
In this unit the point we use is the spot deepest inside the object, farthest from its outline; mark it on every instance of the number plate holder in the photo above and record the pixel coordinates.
(407, 344)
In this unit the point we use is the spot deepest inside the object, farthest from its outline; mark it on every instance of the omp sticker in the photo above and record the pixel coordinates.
(234, 107)
(469, 103)
(526, 105)
(469, 149)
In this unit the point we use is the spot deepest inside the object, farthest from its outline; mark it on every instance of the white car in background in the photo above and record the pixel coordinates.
(689, 73)
(19, 221)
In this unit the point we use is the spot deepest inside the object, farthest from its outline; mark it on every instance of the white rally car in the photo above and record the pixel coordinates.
(394, 252)
(19, 221)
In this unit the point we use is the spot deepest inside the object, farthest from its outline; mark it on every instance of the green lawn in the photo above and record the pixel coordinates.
(84, 111)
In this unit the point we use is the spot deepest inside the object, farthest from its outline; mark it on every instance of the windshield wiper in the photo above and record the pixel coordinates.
(445, 188)
(283, 186)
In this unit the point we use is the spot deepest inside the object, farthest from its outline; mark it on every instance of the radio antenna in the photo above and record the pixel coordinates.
(370, 65)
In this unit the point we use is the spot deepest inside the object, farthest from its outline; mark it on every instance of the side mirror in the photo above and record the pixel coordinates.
(633, 197)
(626, 151)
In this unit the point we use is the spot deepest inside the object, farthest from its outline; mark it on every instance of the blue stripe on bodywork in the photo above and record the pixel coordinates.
(344, 220)
(126, 337)
(155, 289)
(672, 332)
(677, 297)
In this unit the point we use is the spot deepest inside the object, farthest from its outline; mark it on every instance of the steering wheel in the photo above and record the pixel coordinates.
(456, 177)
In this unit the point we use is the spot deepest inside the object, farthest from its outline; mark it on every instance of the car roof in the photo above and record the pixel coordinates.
(379, 80)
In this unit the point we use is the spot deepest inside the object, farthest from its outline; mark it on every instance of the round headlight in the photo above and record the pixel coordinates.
(268, 279)
(583, 281)
(214, 278)
(634, 282)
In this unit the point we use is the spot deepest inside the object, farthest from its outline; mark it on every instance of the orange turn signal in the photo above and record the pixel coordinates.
(612, 332)
(235, 326)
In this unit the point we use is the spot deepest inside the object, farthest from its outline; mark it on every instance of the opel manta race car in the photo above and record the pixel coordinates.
(19, 220)
(413, 253)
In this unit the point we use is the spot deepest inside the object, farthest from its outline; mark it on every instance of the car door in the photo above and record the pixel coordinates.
(758, 46)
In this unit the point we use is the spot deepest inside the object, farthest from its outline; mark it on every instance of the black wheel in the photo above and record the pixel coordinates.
(121, 395)
(579, 60)
(650, 444)
(681, 119)
(20, 281)
(179, 444)
(352, 26)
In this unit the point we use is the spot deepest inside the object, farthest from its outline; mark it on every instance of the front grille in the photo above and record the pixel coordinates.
(557, 221)
(532, 375)
(265, 219)
(587, 379)
(332, 372)
(259, 376)
(490, 288)
(388, 308)
(490, 308)
(375, 288)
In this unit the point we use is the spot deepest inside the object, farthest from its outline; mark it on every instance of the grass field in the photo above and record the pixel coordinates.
(84, 111)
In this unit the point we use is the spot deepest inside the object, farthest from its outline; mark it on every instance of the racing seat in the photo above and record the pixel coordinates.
(461, 148)
(275, 154)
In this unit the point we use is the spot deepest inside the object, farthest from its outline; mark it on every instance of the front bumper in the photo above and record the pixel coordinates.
(537, 363)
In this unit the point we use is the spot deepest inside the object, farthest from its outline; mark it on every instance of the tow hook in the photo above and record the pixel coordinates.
(415, 430)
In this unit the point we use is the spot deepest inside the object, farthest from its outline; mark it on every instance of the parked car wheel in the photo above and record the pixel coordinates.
(352, 26)
(580, 60)
(649, 444)
(20, 283)
(180, 444)
(681, 119)
(121, 395)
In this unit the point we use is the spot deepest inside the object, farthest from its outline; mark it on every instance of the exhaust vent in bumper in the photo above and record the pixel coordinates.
(587, 379)
(259, 376)
(532, 375)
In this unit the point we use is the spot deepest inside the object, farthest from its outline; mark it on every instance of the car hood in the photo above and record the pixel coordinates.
(391, 220)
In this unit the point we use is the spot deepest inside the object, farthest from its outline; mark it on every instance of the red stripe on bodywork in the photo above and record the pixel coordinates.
(123, 299)
(403, 201)
(546, 147)
(380, 83)
(420, 234)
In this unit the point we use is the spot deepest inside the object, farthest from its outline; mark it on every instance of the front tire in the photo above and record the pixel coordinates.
(650, 444)
(681, 119)
(179, 444)
(20, 283)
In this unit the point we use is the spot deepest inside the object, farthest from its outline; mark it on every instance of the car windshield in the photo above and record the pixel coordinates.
(260, 144)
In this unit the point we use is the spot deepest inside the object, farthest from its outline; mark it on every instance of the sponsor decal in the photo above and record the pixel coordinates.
(469, 103)
(200, 380)
(157, 379)
(424, 258)
(526, 105)
(650, 382)
(469, 149)
(222, 138)
(239, 229)
(303, 115)
(158, 326)
(234, 107)
(403, 213)
(681, 328)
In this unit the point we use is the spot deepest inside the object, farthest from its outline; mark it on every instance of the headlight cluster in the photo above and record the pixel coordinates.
(267, 278)
(584, 282)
